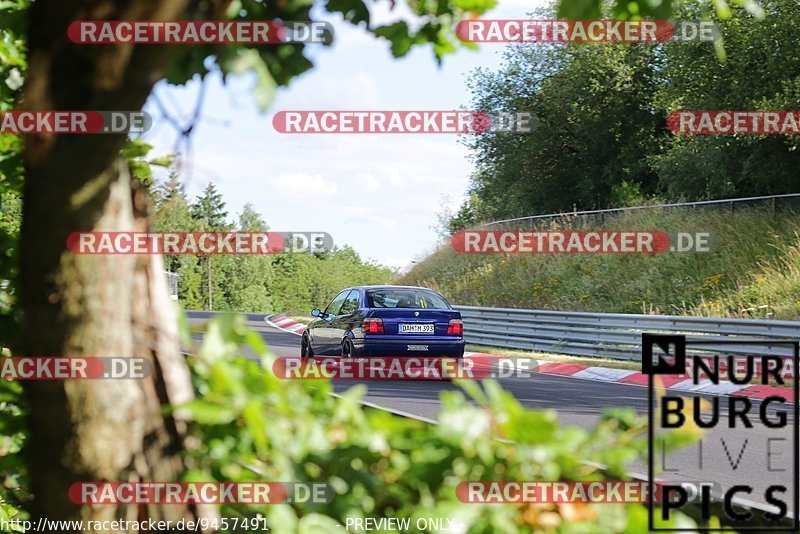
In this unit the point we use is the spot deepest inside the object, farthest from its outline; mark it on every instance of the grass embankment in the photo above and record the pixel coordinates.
(753, 271)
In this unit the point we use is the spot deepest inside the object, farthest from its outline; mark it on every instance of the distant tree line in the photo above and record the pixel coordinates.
(601, 139)
(279, 282)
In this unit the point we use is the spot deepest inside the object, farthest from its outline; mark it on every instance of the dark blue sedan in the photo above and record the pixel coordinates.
(385, 321)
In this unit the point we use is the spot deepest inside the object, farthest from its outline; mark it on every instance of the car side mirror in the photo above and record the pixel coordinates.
(316, 313)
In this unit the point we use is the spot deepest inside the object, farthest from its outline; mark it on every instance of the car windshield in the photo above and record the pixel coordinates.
(405, 298)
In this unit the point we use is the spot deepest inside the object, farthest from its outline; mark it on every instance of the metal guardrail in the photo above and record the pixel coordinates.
(771, 203)
(618, 335)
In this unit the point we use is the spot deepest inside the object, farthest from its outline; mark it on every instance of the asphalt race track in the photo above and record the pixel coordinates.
(580, 403)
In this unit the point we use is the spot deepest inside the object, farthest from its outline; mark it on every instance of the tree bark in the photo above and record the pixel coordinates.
(95, 430)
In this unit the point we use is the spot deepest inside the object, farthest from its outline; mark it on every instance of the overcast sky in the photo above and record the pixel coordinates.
(377, 193)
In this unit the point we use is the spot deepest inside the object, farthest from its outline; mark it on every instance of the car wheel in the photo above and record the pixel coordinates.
(305, 347)
(347, 349)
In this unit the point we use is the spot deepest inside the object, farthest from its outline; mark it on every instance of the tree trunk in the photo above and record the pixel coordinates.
(210, 282)
(95, 430)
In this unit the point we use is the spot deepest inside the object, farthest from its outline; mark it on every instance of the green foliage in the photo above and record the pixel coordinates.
(276, 65)
(135, 152)
(252, 426)
(13, 64)
(770, 291)
(750, 250)
(305, 281)
(251, 283)
(172, 210)
(249, 278)
(761, 72)
(173, 214)
(595, 123)
(14, 495)
(209, 213)
(209, 210)
(251, 221)
(10, 217)
(601, 138)
(248, 418)
(647, 9)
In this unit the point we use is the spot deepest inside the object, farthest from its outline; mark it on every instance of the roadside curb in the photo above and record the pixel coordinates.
(282, 322)
(636, 378)
(600, 374)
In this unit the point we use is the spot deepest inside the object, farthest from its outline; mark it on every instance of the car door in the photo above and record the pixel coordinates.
(344, 320)
(323, 336)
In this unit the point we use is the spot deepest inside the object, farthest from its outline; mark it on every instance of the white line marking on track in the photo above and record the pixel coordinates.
(603, 374)
(392, 410)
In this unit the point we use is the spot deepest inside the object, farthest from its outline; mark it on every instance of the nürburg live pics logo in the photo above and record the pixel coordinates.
(743, 472)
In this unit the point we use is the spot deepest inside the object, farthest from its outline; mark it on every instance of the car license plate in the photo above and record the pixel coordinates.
(416, 328)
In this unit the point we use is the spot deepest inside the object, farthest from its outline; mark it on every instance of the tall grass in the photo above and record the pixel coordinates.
(751, 272)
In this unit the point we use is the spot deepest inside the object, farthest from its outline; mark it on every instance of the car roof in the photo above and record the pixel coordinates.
(393, 287)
